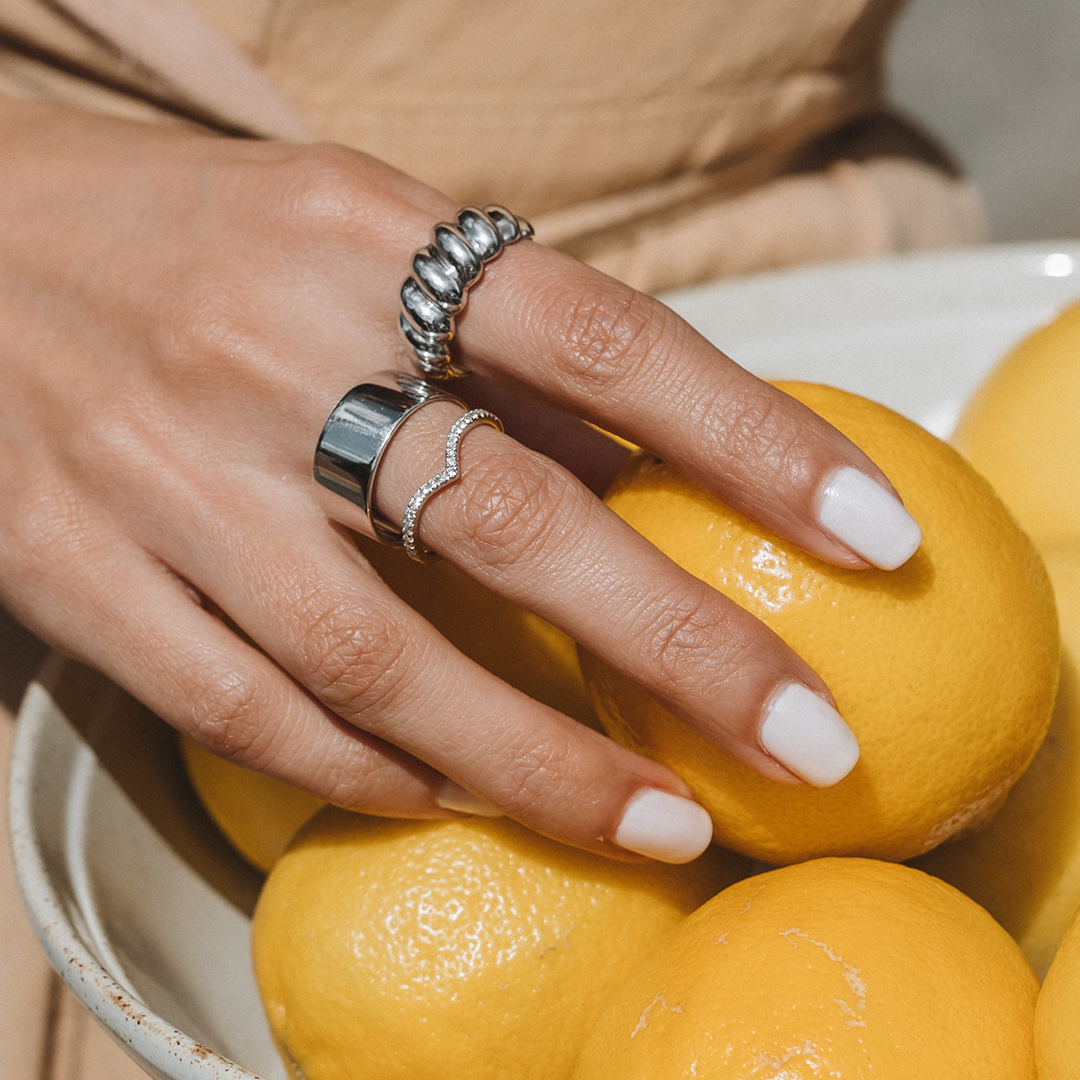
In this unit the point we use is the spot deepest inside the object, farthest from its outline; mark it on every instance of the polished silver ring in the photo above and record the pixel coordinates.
(353, 442)
(443, 272)
(451, 474)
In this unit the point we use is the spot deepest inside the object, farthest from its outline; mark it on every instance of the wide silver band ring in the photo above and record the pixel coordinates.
(443, 273)
(353, 442)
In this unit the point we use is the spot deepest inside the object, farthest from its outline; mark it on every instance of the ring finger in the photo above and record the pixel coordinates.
(368, 658)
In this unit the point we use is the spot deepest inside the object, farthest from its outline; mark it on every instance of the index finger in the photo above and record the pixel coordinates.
(550, 326)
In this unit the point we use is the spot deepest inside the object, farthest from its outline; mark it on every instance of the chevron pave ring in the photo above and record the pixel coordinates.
(450, 474)
(442, 274)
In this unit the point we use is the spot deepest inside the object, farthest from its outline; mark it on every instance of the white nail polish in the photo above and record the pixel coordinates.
(454, 797)
(664, 826)
(868, 518)
(805, 733)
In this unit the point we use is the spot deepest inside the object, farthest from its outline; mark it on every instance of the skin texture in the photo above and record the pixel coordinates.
(180, 312)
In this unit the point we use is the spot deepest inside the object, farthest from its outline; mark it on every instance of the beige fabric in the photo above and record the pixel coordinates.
(172, 39)
(849, 208)
(666, 143)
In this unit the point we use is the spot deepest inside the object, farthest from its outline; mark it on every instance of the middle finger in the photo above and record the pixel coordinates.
(527, 528)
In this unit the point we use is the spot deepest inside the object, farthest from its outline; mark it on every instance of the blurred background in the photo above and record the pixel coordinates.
(998, 82)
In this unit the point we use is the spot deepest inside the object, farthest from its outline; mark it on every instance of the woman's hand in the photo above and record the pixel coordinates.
(179, 313)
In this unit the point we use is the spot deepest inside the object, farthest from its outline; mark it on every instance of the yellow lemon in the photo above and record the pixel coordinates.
(1021, 429)
(260, 815)
(1057, 1013)
(945, 668)
(518, 646)
(453, 950)
(847, 968)
(1024, 868)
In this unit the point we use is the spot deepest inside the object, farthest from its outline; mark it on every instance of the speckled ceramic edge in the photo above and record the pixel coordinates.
(165, 1052)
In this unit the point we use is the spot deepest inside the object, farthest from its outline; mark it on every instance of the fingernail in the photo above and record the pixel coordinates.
(868, 518)
(805, 733)
(664, 826)
(454, 797)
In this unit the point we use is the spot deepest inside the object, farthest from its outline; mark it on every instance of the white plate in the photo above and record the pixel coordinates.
(140, 904)
(917, 333)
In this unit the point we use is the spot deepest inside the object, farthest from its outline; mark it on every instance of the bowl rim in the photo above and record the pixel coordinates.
(152, 1041)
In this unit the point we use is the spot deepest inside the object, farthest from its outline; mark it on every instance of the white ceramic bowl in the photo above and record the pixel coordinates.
(140, 904)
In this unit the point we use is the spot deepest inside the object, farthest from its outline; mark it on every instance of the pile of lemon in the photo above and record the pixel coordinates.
(475, 948)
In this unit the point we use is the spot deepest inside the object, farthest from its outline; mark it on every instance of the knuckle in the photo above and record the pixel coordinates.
(46, 535)
(226, 716)
(199, 324)
(45, 525)
(685, 641)
(535, 777)
(317, 190)
(355, 661)
(122, 435)
(510, 509)
(607, 333)
(362, 786)
(211, 331)
(123, 440)
(312, 199)
(753, 430)
(313, 196)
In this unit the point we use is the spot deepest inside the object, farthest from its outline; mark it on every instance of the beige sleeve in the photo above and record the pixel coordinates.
(128, 58)
(876, 186)
(848, 209)
(27, 78)
(816, 170)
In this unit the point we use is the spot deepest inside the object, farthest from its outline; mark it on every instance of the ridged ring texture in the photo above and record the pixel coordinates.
(443, 272)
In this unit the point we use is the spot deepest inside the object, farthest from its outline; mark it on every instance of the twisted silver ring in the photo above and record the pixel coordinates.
(451, 474)
(353, 441)
(442, 275)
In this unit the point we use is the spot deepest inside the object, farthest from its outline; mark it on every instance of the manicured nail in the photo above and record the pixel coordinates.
(805, 733)
(664, 826)
(454, 797)
(868, 518)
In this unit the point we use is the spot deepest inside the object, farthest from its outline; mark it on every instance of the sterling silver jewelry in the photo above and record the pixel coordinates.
(442, 275)
(353, 441)
(451, 474)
